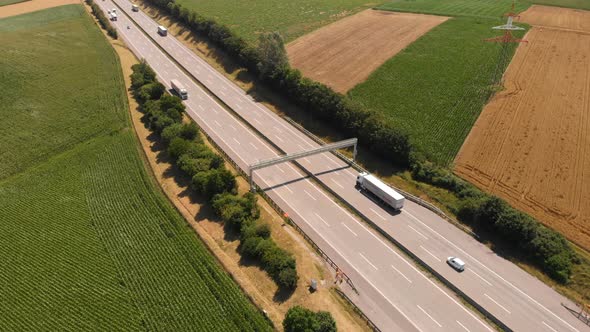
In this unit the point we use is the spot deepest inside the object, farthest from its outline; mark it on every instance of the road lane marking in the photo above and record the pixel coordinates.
(463, 326)
(386, 298)
(480, 277)
(201, 107)
(403, 275)
(258, 121)
(552, 329)
(310, 195)
(232, 127)
(280, 169)
(343, 224)
(238, 106)
(237, 141)
(377, 213)
(498, 304)
(427, 314)
(338, 184)
(430, 253)
(280, 139)
(494, 273)
(299, 145)
(254, 146)
(365, 258)
(287, 187)
(322, 219)
(415, 230)
(217, 123)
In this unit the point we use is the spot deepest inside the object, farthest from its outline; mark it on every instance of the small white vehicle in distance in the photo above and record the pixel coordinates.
(162, 31)
(456, 263)
(135, 8)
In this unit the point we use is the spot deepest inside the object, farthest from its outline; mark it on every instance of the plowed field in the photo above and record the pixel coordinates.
(531, 144)
(345, 53)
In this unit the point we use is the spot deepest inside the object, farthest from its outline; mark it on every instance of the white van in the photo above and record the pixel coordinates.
(456, 263)
(162, 31)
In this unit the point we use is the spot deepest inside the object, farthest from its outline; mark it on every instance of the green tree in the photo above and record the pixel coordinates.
(273, 56)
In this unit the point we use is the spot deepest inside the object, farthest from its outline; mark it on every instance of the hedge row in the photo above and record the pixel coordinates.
(102, 19)
(241, 213)
(352, 120)
(379, 136)
(544, 247)
(209, 177)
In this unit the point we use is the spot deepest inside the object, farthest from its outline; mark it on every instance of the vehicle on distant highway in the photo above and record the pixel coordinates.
(456, 263)
(135, 8)
(113, 16)
(380, 190)
(179, 89)
(162, 31)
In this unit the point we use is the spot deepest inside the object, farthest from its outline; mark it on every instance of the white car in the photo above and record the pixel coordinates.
(456, 263)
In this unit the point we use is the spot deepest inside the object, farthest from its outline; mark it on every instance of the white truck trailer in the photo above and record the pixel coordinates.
(179, 89)
(382, 191)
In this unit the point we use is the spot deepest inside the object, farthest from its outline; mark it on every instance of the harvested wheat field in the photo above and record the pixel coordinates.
(531, 144)
(346, 52)
(31, 6)
(563, 18)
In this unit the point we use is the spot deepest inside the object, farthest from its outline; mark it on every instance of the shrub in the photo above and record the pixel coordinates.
(213, 182)
(178, 147)
(153, 90)
(300, 319)
(144, 73)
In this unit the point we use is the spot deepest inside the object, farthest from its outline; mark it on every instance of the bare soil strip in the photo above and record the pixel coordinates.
(32, 6)
(555, 17)
(531, 144)
(346, 52)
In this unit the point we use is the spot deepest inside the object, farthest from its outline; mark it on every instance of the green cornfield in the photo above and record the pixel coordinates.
(87, 240)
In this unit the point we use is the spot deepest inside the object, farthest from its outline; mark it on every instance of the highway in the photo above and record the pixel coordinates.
(377, 268)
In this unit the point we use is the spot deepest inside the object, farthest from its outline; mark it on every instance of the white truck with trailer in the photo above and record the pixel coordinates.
(179, 89)
(382, 191)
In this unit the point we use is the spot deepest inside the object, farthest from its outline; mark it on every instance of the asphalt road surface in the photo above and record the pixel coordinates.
(377, 269)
